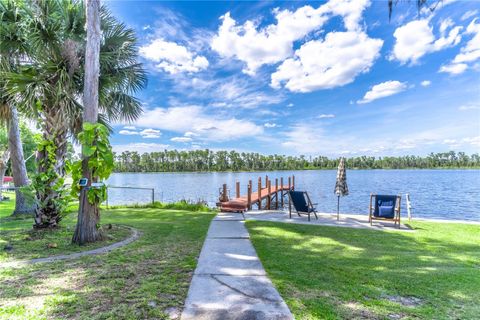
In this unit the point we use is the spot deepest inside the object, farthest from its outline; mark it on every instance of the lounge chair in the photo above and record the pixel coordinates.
(385, 207)
(301, 203)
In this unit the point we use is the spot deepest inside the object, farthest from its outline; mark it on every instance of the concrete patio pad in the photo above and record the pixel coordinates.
(325, 219)
(227, 229)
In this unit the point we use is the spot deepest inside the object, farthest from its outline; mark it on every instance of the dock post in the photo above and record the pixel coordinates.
(276, 193)
(266, 181)
(281, 191)
(224, 193)
(259, 192)
(249, 195)
(269, 198)
(237, 189)
(293, 182)
(289, 199)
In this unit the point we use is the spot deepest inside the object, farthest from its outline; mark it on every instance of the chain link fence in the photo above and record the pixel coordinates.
(129, 196)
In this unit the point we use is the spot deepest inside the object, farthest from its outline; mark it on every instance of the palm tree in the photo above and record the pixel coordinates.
(49, 84)
(11, 51)
(17, 161)
(4, 157)
(88, 216)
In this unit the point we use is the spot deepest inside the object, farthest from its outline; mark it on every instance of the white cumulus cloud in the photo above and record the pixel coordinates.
(128, 132)
(258, 46)
(146, 133)
(330, 63)
(426, 83)
(454, 68)
(382, 90)
(326, 116)
(150, 133)
(416, 38)
(181, 139)
(172, 57)
(467, 15)
(270, 125)
(468, 54)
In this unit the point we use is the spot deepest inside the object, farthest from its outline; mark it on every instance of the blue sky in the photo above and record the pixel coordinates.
(314, 78)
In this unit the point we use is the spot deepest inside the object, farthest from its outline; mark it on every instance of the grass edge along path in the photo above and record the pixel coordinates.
(75, 255)
(26, 243)
(146, 279)
(327, 272)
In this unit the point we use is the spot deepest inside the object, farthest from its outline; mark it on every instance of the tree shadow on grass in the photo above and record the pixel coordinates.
(344, 267)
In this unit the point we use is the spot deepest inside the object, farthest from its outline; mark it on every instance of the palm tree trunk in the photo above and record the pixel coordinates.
(19, 170)
(48, 213)
(88, 214)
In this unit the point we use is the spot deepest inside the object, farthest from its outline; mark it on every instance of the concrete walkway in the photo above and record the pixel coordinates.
(229, 281)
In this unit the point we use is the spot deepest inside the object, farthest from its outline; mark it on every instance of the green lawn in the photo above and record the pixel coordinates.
(343, 273)
(27, 243)
(143, 280)
(7, 206)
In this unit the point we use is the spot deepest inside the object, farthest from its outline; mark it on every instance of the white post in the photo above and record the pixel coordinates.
(409, 206)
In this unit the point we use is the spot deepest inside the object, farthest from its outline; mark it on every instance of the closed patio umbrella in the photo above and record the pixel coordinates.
(341, 188)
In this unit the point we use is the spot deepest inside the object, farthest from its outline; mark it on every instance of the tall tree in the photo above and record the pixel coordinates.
(4, 157)
(17, 160)
(49, 85)
(11, 52)
(89, 216)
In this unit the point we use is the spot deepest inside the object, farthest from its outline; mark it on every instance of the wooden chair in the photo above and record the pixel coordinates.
(301, 203)
(385, 207)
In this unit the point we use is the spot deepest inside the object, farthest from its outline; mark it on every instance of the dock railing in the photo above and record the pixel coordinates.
(271, 194)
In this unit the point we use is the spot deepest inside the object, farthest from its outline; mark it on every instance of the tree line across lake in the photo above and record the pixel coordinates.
(207, 160)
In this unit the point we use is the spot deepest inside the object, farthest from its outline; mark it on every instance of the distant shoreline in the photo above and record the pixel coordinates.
(306, 169)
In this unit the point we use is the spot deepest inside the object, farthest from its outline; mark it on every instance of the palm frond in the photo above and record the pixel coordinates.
(50, 37)
(119, 106)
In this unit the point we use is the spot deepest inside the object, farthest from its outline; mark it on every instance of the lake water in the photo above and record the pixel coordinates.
(442, 194)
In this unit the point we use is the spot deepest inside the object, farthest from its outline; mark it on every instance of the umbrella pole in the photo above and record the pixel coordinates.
(338, 207)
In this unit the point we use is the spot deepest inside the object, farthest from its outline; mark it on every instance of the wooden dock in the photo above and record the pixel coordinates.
(268, 196)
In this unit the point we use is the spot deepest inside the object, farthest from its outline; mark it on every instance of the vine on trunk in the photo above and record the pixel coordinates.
(96, 146)
(51, 198)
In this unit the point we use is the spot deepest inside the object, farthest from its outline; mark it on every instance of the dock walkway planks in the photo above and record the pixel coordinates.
(241, 204)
